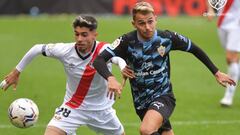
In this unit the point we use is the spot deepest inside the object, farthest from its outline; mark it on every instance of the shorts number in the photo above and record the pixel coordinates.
(64, 111)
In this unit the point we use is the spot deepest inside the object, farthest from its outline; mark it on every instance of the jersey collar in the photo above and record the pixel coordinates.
(143, 41)
(87, 55)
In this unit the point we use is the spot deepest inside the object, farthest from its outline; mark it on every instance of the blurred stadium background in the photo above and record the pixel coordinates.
(24, 23)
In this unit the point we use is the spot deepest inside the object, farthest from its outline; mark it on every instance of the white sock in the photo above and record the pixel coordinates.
(233, 72)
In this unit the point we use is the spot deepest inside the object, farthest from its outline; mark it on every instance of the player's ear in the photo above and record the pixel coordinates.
(96, 34)
(133, 23)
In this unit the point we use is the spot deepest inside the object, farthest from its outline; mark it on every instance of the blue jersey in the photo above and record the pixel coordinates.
(151, 63)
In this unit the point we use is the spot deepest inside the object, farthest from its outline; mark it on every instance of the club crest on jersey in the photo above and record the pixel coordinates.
(116, 43)
(161, 50)
(217, 4)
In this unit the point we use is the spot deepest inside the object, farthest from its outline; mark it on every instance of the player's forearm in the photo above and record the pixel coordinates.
(202, 56)
(119, 61)
(28, 57)
(101, 67)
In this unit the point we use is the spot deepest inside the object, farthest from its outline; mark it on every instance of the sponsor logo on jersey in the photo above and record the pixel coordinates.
(217, 4)
(71, 66)
(147, 65)
(161, 50)
(151, 72)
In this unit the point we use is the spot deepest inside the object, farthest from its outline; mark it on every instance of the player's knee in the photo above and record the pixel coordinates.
(232, 57)
(50, 130)
(155, 133)
(123, 133)
(145, 130)
(169, 132)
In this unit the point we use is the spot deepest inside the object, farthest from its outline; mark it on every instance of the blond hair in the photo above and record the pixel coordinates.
(143, 8)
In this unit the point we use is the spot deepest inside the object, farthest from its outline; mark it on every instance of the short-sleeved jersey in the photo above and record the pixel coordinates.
(150, 62)
(229, 18)
(85, 88)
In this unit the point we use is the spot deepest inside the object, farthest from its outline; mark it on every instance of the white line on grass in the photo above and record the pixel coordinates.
(135, 124)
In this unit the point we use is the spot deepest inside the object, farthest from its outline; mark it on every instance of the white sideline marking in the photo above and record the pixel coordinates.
(216, 122)
(185, 123)
(135, 124)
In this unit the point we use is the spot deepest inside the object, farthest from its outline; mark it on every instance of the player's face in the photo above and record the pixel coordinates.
(84, 38)
(145, 25)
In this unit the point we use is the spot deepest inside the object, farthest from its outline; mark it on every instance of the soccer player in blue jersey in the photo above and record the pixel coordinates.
(146, 51)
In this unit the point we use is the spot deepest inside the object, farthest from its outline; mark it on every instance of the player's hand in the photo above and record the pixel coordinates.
(210, 12)
(224, 79)
(11, 79)
(127, 72)
(124, 79)
(114, 87)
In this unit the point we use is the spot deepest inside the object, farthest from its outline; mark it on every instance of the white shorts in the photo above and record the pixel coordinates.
(230, 39)
(69, 120)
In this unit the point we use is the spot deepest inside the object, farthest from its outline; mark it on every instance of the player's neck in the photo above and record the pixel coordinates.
(85, 51)
(141, 39)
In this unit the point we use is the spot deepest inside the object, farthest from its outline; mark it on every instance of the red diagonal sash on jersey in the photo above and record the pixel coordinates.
(85, 81)
(224, 13)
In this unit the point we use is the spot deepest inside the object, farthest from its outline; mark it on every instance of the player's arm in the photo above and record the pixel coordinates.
(119, 61)
(13, 77)
(182, 43)
(126, 71)
(118, 48)
(100, 65)
(210, 11)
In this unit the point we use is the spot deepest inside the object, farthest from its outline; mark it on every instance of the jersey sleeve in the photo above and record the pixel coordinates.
(115, 60)
(182, 43)
(53, 50)
(117, 48)
(29, 56)
(119, 61)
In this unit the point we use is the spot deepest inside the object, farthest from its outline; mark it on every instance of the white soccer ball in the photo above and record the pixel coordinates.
(23, 113)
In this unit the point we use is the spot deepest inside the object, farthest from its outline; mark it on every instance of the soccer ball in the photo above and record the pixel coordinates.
(23, 113)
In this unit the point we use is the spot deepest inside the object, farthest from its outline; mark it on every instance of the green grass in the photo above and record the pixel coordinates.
(197, 112)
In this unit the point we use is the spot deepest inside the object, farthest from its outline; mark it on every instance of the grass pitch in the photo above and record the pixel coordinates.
(197, 112)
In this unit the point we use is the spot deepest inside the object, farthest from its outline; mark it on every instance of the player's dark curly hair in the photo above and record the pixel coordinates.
(85, 21)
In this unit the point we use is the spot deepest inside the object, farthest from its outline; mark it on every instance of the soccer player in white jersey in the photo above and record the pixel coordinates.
(228, 30)
(85, 101)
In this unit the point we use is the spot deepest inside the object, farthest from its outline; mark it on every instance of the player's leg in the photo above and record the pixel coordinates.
(170, 132)
(232, 57)
(152, 121)
(153, 128)
(233, 72)
(65, 121)
(105, 122)
(157, 116)
(51, 130)
(166, 129)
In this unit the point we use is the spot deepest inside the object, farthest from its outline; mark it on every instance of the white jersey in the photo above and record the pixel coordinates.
(85, 88)
(230, 15)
